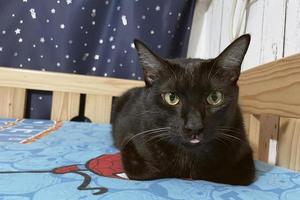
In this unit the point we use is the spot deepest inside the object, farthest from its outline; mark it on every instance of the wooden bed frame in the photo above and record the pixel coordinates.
(269, 97)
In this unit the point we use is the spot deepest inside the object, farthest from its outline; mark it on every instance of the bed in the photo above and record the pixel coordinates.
(58, 159)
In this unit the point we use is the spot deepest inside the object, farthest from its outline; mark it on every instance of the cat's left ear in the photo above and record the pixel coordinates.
(230, 60)
(153, 65)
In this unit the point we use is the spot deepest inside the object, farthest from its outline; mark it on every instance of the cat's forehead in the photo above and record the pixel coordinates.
(189, 62)
(188, 74)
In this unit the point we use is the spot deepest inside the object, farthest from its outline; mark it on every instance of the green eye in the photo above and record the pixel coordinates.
(171, 98)
(215, 98)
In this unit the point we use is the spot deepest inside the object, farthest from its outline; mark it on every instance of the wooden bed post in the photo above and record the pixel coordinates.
(12, 102)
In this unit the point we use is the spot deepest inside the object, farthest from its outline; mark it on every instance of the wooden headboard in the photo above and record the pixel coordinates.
(269, 97)
(66, 90)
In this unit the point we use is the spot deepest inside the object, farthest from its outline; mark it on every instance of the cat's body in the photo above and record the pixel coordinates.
(167, 129)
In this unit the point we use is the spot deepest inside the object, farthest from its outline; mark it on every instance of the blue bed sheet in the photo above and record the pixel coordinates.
(25, 173)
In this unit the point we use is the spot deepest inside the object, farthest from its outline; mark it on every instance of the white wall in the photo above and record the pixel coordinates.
(273, 24)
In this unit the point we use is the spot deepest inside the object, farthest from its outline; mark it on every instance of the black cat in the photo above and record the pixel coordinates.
(186, 121)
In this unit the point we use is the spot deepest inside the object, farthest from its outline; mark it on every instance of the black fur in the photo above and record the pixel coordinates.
(169, 152)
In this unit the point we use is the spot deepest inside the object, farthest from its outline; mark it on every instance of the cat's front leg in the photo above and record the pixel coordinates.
(138, 167)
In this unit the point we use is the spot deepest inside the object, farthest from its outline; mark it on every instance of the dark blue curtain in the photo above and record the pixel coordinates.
(93, 37)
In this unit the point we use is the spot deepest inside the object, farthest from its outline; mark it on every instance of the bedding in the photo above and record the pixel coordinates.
(44, 159)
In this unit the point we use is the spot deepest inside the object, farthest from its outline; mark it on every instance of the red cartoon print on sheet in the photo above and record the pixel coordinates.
(107, 165)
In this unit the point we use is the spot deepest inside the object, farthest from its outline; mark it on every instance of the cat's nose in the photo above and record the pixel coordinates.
(193, 122)
(194, 127)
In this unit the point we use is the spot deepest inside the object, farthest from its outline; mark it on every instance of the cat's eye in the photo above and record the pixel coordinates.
(171, 98)
(215, 98)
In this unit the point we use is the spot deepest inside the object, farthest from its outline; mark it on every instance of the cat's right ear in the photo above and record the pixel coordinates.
(151, 63)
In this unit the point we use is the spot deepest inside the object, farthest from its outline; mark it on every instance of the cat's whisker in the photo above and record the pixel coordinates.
(228, 130)
(162, 135)
(151, 131)
(221, 140)
(224, 135)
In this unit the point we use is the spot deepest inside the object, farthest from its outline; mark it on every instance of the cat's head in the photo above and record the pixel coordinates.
(197, 98)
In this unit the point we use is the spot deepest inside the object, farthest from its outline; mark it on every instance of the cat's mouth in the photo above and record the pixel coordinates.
(194, 139)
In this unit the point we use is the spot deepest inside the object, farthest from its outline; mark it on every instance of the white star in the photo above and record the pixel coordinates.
(18, 31)
(70, 41)
(106, 2)
(33, 45)
(58, 64)
(20, 40)
(52, 10)
(56, 46)
(111, 38)
(28, 59)
(101, 41)
(96, 57)
(157, 8)
(159, 46)
(108, 60)
(152, 32)
(93, 14)
(42, 56)
(143, 17)
(85, 56)
(16, 54)
(113, 46)
(21, 21)
(93, 22)
(32, 13)
(42, 39)
(124, 20)
(4, 32)
(67, 56)
(119, 8)
(1, 49)
(62, 26)
(132, 46)
(69, 1)
(94, 68)
(24, 0)
(47, 20)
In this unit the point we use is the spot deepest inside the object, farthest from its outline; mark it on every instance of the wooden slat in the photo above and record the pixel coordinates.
(65, 105)
(289, 143)
(32, 79)
(98, 108)
(273, 30)
(292, 29)
(12, 102)
(252, 126)
(272, 88)
(255, 21)
(269, 126)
